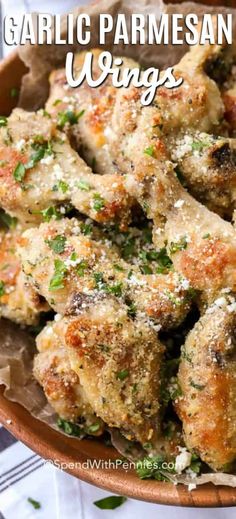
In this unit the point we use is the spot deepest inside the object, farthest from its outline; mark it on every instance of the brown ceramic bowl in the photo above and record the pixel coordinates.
(52, 445)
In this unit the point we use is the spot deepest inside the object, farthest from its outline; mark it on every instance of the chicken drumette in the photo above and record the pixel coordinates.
(42, 176)
(59, 260)
(60, 383)
(19, 301)
(207, 378)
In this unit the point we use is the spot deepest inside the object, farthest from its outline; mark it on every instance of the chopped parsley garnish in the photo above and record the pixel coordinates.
(164, 262)
(3, 121)
(83, 185)
(73, 256)
(60, 271)
(57, 244)
(46, 114)
(191, 294)
(2, 288)
(150, 151)
(206, 236)
(147, 446)
(69, 428)
(132, 309)
(19, 172)
(14, 92)
(99, 281)
(41, 148)
(145, 207)
(98, 203)
(175, 300)
(147, 234)
(93, 428)
(81, 267)
(53, 212)
(86, 228)
(145, 269)
(7, 220)
(186, 355)
(161, 258)
(195, 464)
(118, 268)
(115, 289)
(68, 117)
(57, 102)
(63, 186)
(121, 375)
(177, 246)
(93, 165)
(35, 504)
(199, 145)
(128, 249)
(100, 284)
(110, 503)
(152, 468)
(199, 387)
(50, 212)
(174, 389)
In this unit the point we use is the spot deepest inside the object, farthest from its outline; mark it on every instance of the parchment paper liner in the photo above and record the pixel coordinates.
(17, 347)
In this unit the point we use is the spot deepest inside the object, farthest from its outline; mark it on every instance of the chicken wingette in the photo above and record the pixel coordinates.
(43, 177)
(117, 359)
(59, 260)
(90, 134)
(137, 138)
(60, 383)
(207, 378)
(19, 301)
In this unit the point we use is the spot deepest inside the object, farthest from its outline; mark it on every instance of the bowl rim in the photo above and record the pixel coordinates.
(52, 445)
(64, 450)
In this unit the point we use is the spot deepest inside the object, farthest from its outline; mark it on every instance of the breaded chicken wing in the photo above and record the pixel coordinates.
(178, 218)
(60, 260)
(117, 359)
(207, 377)
(92, 131)
(196, 106)
(60, 383)
(18, 299)
(207, 167)
(138, 137)
(41, 175)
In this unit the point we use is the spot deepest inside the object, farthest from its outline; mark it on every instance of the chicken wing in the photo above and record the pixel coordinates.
(207, 377)
(91, 132)
(206, 166)
(18, 299)
(178, 116)
(60, 260)
(42, 176)
(117, 359)
(60, 383)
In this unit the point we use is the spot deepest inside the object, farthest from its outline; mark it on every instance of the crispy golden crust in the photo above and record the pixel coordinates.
(18, 301)
(94, 268)
(207, 406)
(91, 134)
(118, 362)
(60, 383)
(39, 171)
(207, 167)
